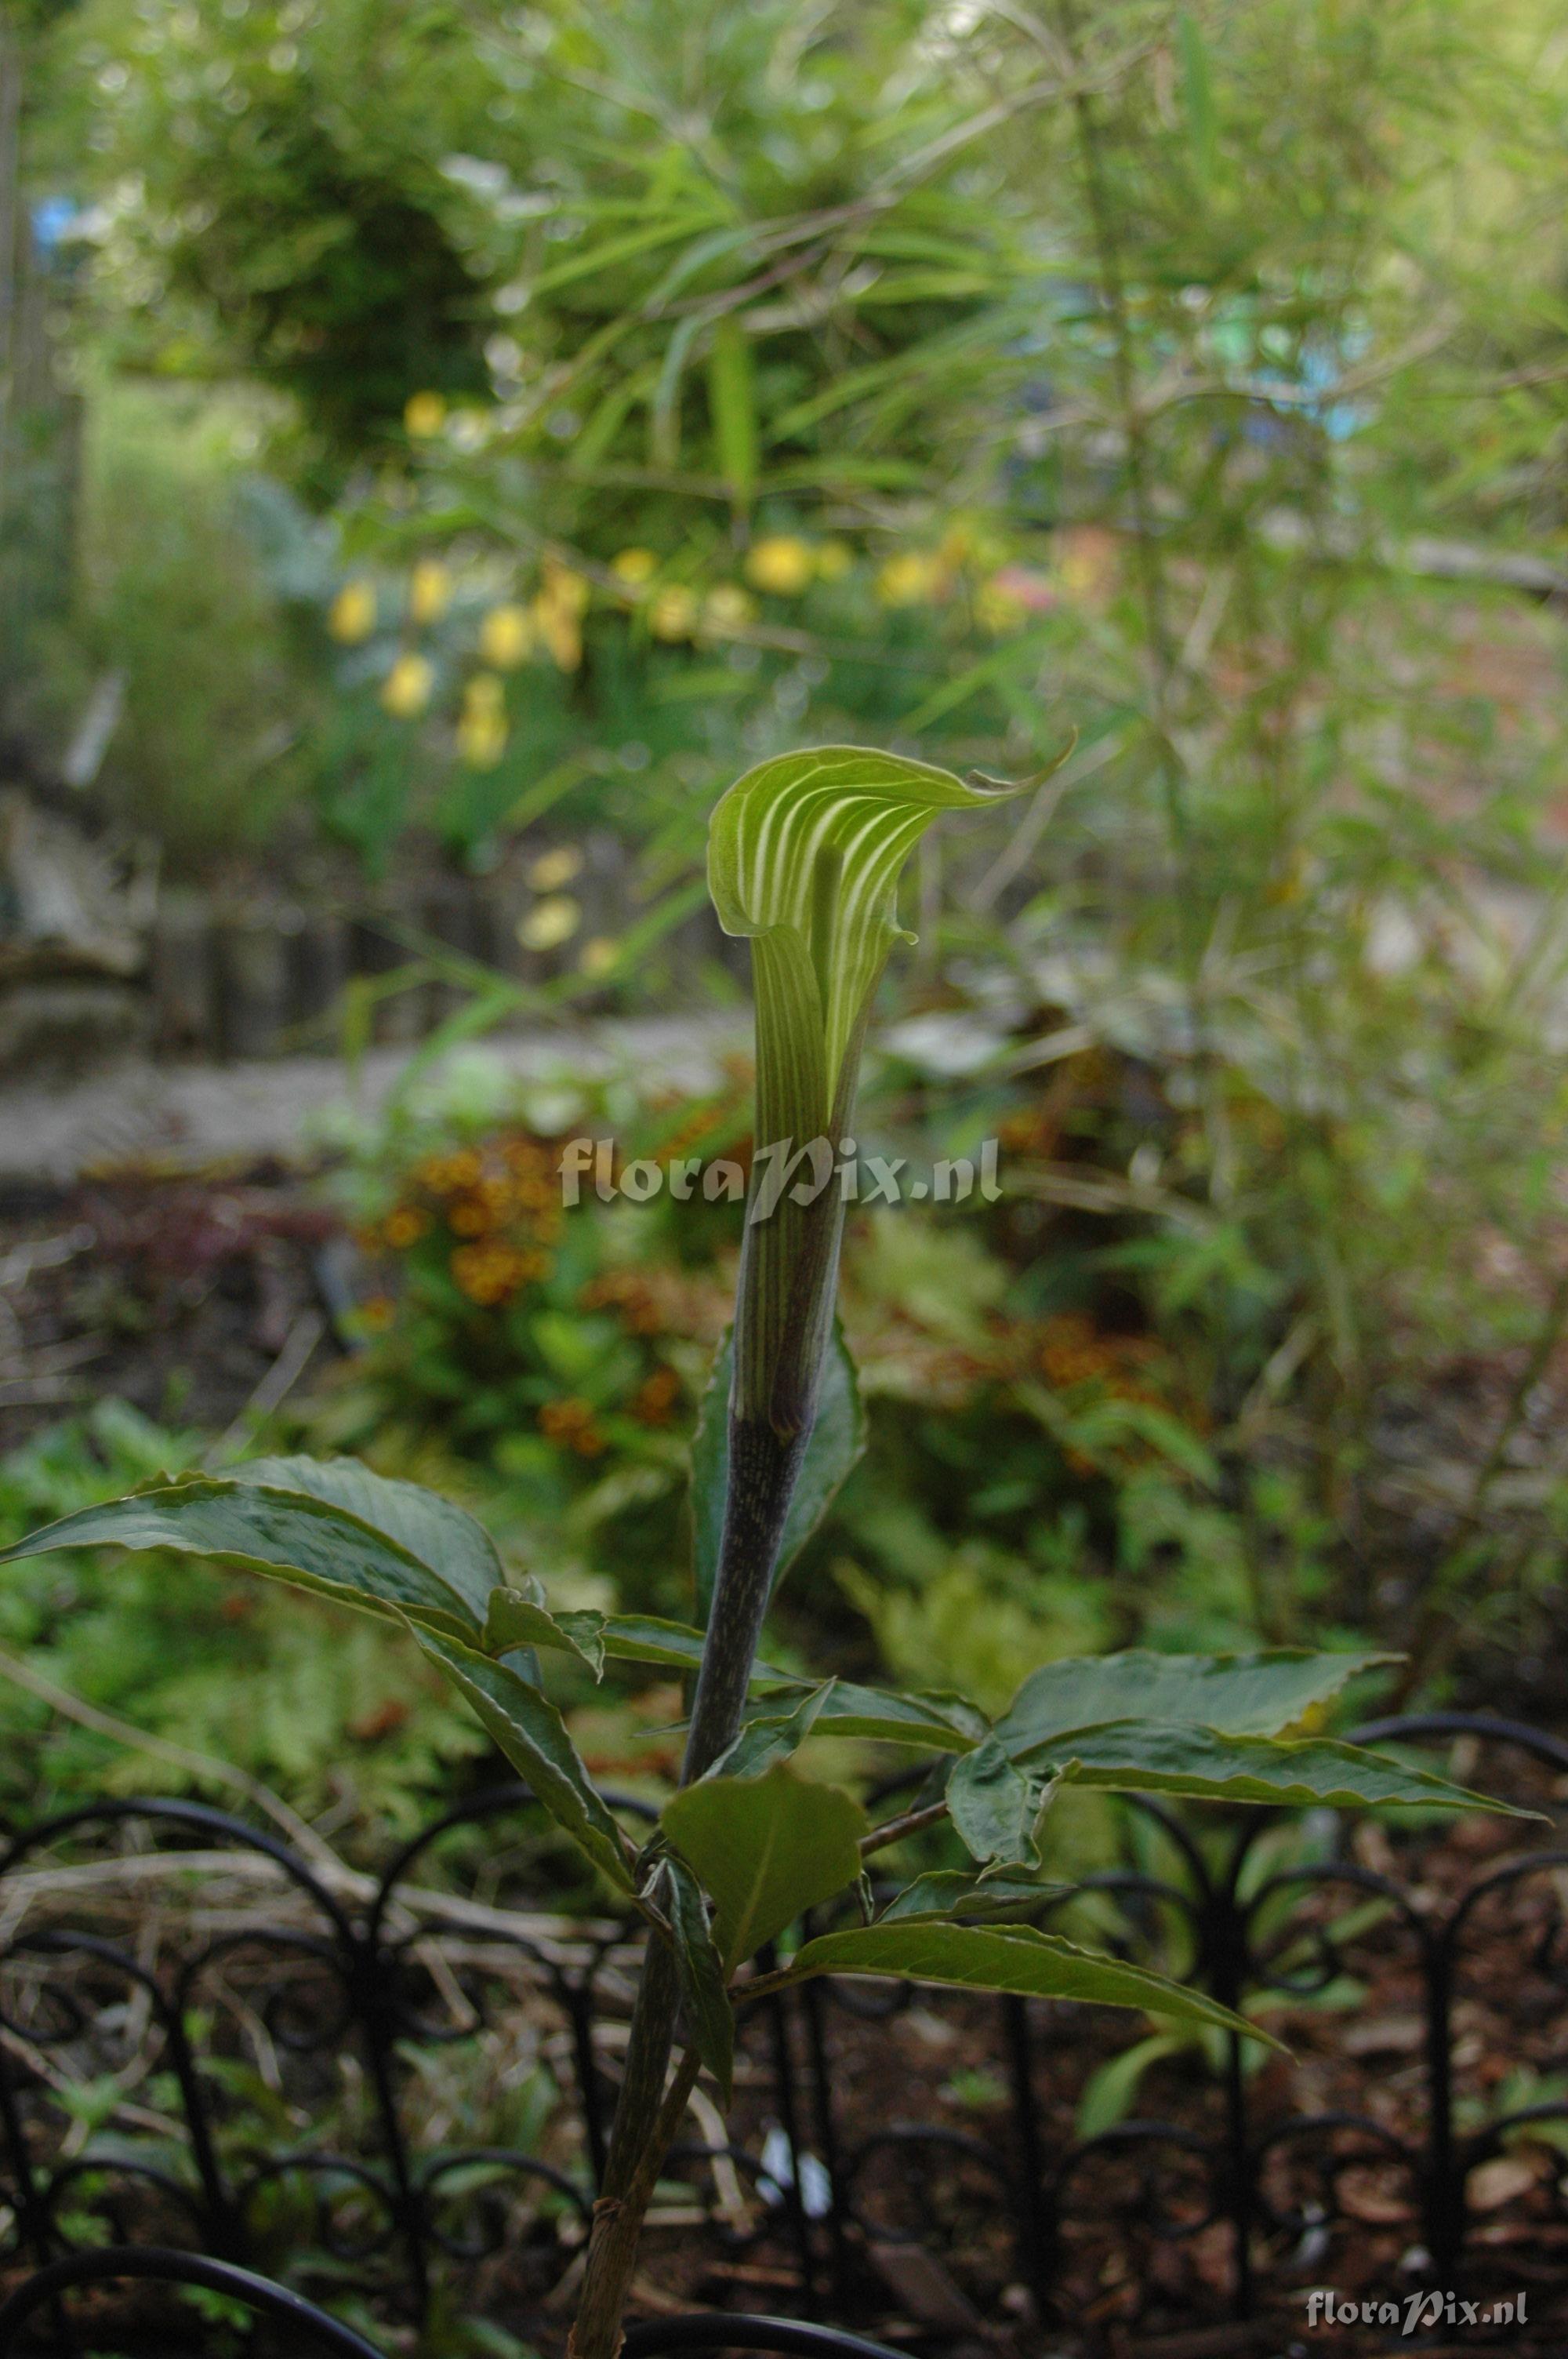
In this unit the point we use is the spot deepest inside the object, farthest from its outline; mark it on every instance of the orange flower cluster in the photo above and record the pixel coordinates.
(571, 1422)
(490, 1272)
(658, 1302)
(501, 1202)
(1072, 1351)
(654, 1400)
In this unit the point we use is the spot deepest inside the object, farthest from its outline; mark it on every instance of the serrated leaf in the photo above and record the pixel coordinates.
(514, 1620)
(838, 1440)
(709, 2017)
(536, 1740)
(1015, 1958)
(765, 1849)
(957, 1893)
(1132, 1756)
(1246, 1695)
(770, 1738)
(303, 1536)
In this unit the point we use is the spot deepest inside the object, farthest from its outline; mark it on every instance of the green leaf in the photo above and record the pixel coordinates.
(514, 1620)
(1246, 1695)
(644, 1639)
(766, 1849)
(931, 1722)
(1197, 92)
(951, 1892)
(838, 1440)
(709, 2017)
(441, 1535)
(994, 1807)
(732, 403)
(768, 1739)
(1110, 2093)
(1134, 1757)
(1008, 1958)
(534, 1739)
(307, 1537)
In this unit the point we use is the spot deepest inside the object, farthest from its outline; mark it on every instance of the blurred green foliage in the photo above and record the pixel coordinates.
(1189, 376)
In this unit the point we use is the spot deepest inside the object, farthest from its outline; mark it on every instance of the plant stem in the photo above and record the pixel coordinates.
(764, 1466)
(618, 2222)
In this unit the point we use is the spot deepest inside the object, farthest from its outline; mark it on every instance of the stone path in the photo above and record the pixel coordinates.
(190, 1118)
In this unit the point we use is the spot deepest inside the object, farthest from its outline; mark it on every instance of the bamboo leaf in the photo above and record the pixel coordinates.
(732, 403)
(766, 1849)
(1197, 94)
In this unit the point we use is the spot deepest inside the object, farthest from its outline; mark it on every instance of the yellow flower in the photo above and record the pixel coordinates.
(481, 730)
(834, 559)
(424, 414)
(406, 690)
(352, 616)
(550, 923)
(554, 869)
(561, 632)
(597, 955)
(728, 608)
(430, 591)
(376, 1313)
(782, 564)
(673, 614)
(506, 637)
(634, 566)
(909, 580)
(564, 589)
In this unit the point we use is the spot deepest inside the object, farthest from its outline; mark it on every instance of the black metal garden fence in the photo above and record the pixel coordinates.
(213, 2041)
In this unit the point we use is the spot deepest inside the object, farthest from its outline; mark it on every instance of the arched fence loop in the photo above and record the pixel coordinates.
(387, 2084)
(312, 2331)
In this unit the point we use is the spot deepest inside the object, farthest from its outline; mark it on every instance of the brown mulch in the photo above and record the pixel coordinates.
(179, 1295)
